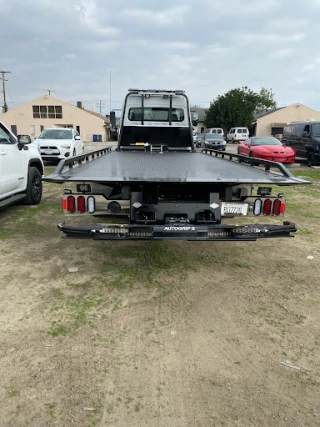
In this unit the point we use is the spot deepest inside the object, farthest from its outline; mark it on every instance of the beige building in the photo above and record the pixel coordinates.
(47, 112)
(273, 122)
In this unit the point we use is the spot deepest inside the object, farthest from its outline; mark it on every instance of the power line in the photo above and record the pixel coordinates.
(5, 106)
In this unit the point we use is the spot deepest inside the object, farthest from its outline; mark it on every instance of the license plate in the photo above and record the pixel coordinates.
(48, 152)
(234, 209)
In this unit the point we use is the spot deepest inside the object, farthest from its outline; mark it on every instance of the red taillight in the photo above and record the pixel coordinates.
(283, 206)
(276, 210)
(267, 207)
(81, 204)
(71, 204)
(64, 204)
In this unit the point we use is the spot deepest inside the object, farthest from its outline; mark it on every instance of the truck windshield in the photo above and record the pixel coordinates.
(156, 114)
(4, 138)
(56, 134)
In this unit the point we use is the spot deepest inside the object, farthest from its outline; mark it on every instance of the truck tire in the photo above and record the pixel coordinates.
(34, 187)
(311, 159)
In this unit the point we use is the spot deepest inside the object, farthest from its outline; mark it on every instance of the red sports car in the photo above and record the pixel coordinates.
(267, 148)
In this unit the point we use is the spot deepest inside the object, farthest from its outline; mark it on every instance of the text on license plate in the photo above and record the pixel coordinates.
(238, 209)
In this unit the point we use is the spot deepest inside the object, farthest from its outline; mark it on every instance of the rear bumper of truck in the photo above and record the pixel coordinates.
(246, 233)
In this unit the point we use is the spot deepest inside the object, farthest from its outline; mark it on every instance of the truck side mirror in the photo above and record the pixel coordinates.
(24, 139)
(305, 134)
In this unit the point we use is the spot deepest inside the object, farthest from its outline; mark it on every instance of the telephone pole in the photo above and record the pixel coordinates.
(5, 107)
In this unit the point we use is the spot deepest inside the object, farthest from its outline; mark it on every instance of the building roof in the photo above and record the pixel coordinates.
(100, 116)
(258, 115)
(52, 100)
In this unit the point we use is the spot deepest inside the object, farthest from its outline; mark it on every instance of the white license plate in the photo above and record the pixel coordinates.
(234, 209)
(48, 152)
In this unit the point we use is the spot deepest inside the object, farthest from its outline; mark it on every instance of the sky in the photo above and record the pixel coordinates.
(94, 50)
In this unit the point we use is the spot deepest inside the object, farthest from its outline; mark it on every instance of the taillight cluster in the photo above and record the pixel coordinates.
(79, 204)
(267, 207)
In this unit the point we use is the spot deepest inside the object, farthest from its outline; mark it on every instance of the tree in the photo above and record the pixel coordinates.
(237, 107)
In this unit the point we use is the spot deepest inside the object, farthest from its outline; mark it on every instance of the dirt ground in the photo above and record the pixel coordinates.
(163, 334)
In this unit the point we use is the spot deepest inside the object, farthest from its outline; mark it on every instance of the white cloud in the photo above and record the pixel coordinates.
(163, 17)
(300, 80)
(242, 8)
(309, 67)
(68, 56)
(103, 46)
(203, 46)
(90, 18)
(283, 24)
(178, 64)
(216, 49)
(282, 53)
(247, 37)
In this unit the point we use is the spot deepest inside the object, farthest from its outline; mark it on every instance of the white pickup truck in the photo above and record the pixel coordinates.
(21, 169)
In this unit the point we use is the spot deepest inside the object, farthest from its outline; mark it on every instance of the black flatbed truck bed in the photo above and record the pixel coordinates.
(189, 171)
(171, 167)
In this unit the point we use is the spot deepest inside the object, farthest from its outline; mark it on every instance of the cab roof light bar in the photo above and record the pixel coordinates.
(156, 90)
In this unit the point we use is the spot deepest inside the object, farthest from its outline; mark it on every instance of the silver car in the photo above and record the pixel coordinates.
(214, 142)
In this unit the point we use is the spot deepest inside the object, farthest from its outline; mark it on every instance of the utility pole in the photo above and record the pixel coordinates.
(110, 91)
(5, 107)
(49, 91)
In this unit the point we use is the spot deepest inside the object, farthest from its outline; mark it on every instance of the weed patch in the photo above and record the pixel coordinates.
(56, 329)
(143, 263)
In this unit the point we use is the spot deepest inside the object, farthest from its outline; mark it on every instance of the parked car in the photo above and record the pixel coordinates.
(199, 140)
(59, 143)
(214, 141)
(237, 134)
(267, 148)
(21, 169)
(218, 131)
(304, 138)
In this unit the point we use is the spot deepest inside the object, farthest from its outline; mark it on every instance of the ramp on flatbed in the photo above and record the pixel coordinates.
(175, 167)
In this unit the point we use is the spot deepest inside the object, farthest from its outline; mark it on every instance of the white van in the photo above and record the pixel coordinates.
(218, 131)
(238, 134)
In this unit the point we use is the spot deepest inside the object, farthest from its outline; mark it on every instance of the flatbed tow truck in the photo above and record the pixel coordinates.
(156, 186)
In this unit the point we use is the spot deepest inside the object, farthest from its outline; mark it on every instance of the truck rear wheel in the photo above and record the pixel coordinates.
(311, 159)
(34, 187)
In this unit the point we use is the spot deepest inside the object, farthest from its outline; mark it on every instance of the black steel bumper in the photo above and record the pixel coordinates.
(246, 233)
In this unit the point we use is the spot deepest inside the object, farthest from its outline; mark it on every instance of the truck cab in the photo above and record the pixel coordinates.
(156, 120)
